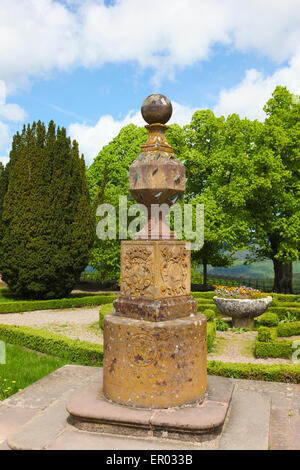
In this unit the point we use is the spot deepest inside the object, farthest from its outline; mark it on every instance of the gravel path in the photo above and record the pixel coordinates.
(238, 347)
(73, 323)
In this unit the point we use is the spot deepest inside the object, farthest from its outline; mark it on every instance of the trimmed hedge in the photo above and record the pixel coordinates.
(104, 310)
(75, 302)
(203, 295)
(82, 352)
(288, 329)
(211, 334)
(269, 373)
(264, 334)
(269, 319)
(274, 348)
(209, 313)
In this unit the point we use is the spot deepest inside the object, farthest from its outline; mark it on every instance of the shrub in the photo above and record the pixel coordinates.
(288, 329)
(81, 352)
(73, 302)
(221, 325)
(264, 334)
(211, 334)
(210, 314)
(274, 348)
(47, 219)
(104, 310)
(270, 373)
(269, 319)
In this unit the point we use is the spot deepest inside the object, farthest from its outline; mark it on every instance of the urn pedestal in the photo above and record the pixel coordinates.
(155, 341)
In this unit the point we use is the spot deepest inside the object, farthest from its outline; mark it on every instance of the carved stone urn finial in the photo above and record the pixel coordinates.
(156, 176)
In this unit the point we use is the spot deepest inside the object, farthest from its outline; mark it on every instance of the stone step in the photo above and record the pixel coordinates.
(248, 421)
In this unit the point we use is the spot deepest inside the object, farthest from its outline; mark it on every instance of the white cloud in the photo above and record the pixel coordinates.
(4, 134)
(44, 35)
(249, 96)
(4, 160)
(91, 139)
(9, 111)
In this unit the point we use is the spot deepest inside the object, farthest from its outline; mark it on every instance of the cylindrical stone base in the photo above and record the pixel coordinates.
(154, 364)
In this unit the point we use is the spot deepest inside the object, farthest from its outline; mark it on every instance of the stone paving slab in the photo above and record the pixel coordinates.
(247, 425)
(12, 418)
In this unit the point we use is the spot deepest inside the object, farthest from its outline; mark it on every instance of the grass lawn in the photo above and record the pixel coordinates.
(23, 367)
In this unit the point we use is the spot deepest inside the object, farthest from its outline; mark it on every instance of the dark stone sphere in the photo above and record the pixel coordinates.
(156, 109)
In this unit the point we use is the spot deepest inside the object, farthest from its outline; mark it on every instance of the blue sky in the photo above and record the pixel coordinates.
(89, 64)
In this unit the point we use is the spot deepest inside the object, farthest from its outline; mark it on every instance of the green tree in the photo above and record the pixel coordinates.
(216, 250)
(48, 225)
(205, 139)
(108, 179)
(252, 172)
(274, 208)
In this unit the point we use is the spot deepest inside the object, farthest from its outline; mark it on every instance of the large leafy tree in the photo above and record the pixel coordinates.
(205, 139)
(274, 207)
(47, 221)
(252, 172)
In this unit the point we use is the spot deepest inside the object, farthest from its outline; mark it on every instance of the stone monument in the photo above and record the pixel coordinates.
(155, 341)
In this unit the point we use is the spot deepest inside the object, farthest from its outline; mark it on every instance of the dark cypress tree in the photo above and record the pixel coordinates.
(47, 221)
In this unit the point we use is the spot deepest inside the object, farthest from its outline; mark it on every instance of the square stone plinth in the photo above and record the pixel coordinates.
(155, 269)
(89, 410)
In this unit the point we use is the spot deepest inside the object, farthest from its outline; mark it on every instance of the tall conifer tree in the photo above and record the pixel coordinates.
(47, 221)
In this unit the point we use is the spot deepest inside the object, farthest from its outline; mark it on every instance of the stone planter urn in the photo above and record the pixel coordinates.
(242, 311)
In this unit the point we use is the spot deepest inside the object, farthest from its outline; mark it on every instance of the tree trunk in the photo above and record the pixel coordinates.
(204, 272)
(283, 277)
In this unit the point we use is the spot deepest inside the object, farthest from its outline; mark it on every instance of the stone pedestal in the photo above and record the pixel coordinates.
(243, 323)
(155, 341)
(154, 364)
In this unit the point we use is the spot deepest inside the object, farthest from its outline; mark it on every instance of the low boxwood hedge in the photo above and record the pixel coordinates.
(211, 334)
(273, 348)
(268, 373)
(81, 352)
(288, 329)
(75, 302)
(203, 295)
(104, 310)
(264, 334)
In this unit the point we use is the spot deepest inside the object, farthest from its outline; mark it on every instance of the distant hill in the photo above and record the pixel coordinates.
(258, 270)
